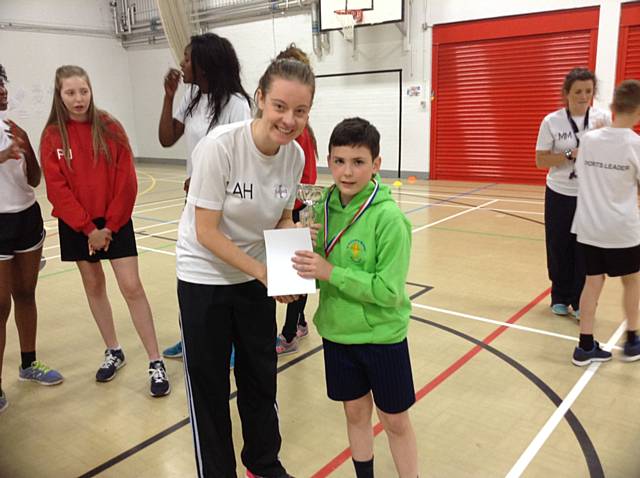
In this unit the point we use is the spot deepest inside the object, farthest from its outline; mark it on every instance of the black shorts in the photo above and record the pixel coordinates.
(74, 246)
(384, 369)
(21, 232)
(613, 262)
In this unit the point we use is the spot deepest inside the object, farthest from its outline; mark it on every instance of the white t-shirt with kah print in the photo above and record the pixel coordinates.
(15, 193)
(556, 135)
(196, 124)
(251, 189)
(608, 167)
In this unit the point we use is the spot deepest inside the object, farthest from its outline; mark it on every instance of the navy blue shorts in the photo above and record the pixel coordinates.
(352, 371)
(21, 231)
(613, 262)
(74, 246)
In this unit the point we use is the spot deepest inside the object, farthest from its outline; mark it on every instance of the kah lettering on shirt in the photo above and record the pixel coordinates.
(244, 191)
(60, 153)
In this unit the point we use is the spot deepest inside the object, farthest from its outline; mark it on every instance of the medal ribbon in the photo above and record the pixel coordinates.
(328, 247)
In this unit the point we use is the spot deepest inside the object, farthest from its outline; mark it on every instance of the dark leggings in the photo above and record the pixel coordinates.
(565, 261)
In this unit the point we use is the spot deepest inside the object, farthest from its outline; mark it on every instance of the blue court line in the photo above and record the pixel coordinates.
(440, 201)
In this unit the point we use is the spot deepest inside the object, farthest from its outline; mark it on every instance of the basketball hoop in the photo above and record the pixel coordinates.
(348, 19)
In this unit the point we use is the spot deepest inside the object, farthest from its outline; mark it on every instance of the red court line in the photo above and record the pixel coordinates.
(345, 454)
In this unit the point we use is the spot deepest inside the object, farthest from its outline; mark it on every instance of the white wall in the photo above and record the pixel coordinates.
(72, 13)
(31, 60)
(129, 83)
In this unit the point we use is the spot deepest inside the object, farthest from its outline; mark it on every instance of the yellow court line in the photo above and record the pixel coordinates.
(153, 183)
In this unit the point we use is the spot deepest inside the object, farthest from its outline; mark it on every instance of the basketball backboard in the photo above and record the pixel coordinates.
(374, 12)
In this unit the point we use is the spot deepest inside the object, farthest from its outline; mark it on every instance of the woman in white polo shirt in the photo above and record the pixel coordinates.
(556, 150)
(244, 182)
(214, 96)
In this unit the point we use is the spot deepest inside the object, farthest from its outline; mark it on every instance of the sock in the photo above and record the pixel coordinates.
(27, 359)
(586, 342)
(116, 348)
(364, 469)
(631, 336)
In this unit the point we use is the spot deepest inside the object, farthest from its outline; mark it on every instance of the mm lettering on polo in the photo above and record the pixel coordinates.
(244, 191)
(564, 135)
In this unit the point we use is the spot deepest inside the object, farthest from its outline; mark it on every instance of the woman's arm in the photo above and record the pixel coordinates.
(34, 174)
(170, 129)
(286, 221)
(547, 159)
(209, 235)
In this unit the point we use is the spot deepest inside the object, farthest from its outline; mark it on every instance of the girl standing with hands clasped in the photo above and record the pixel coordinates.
(21, 237)
(244, 181)
(557, 150)
(92, 185)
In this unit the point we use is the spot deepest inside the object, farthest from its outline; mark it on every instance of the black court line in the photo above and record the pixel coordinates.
(185, 421)
(143, 233)
(176, 426)
(591, 456)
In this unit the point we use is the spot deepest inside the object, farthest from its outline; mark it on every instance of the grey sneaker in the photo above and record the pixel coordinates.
(4, 403)
(113, 360)
(39, 373)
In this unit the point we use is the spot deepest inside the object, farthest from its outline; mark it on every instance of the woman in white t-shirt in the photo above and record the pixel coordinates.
(214, 96)
(556, 150)
(244, 181)
(21, 238)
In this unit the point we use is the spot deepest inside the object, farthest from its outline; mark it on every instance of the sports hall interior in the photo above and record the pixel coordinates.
(457, 89)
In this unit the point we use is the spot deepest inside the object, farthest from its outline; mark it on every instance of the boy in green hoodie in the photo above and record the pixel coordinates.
(364, 246)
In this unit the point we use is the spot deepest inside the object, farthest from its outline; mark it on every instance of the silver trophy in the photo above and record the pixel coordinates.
(309, 195)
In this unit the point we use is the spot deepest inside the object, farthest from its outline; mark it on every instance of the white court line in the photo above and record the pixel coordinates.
(418, 229)
(135, 211)
(498, 322)
(160, 224)
(137, 239)
(469, 196)
(534, 447)
(159, 251)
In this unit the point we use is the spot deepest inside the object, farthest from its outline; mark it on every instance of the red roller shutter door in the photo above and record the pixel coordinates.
(493, 83)
(629, 45)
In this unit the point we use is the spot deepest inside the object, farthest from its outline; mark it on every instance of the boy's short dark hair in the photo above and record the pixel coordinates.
(356, 132)
(626, 97)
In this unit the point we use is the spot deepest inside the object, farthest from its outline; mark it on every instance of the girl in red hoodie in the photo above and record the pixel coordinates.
(92, 185)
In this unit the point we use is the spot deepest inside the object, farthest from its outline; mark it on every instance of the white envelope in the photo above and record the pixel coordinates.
(281, 245)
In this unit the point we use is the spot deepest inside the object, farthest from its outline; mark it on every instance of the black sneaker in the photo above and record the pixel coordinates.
(585, 357)
(113, 360)
(631, 351)
(159, 380)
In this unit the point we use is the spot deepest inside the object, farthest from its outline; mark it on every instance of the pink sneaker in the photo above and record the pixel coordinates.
(302, 331)
(285, 348)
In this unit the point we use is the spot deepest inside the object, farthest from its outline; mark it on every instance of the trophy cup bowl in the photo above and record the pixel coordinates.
(309, 195)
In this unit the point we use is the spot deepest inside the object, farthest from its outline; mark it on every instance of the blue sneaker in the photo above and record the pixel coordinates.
(4, 403)
(583, 357)
(173, 352)
(575, 313)
(232, 361)
(560, 309)
(631, 351)
(40, 373)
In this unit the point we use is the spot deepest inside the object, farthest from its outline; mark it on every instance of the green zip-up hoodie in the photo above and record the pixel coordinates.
(365, 300)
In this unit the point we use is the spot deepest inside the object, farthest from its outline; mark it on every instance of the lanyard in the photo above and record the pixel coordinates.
(574, 126)
(328, 247)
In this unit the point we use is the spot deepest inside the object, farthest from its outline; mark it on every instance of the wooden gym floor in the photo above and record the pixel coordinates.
(497, 393)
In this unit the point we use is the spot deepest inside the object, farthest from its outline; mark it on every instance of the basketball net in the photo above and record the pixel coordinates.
(348, 19)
